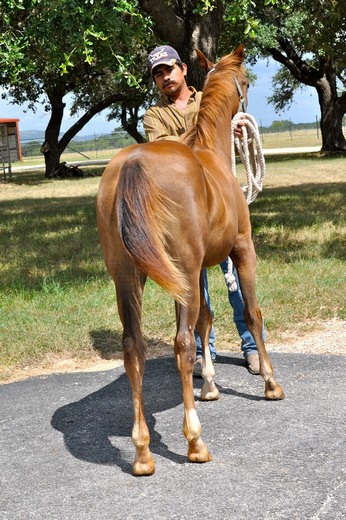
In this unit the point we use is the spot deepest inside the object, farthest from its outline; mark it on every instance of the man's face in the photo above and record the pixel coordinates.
(169, 78)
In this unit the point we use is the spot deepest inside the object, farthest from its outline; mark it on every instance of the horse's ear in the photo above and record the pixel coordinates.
(203, 61)
(240, 52)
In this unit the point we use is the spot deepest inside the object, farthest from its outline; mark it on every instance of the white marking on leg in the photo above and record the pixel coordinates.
(192, 427)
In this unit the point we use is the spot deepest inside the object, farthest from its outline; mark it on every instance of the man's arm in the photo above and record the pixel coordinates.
(156, 129)
(161, 123)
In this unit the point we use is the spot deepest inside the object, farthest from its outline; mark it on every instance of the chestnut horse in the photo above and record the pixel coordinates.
(166, 210)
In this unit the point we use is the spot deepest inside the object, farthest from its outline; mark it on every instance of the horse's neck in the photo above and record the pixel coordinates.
(214, 133)
(223, 140)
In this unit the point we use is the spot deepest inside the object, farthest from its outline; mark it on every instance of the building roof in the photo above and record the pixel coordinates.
(8, 120)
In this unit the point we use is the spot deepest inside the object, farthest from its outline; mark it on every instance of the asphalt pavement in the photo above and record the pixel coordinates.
(66, 451)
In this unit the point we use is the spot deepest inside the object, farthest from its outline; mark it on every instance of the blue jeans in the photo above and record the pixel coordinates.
(235, 298)
(212, 332)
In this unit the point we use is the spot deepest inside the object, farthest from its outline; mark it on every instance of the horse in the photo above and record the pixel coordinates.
(167, 210)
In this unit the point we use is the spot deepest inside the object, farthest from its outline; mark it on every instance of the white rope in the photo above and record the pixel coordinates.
(230, 278)
(251, 154)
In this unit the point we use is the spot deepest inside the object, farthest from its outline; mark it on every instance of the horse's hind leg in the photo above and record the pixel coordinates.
(244, 258)
(185, 352)
(129, 299)
(209, 391)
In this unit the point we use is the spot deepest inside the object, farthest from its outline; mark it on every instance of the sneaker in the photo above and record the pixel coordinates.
(253, 364)
(197, 368)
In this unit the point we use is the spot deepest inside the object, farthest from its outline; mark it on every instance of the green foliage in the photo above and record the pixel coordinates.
(305, 35)
(285, 86)
(312, 26)
(280, 126)
(93, 49)
(204, 7)
(240, 19)
(50, 43)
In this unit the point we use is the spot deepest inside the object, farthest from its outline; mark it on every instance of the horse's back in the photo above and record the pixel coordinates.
(168, 163)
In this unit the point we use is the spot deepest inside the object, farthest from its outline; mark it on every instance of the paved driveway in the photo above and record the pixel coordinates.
(66, 453)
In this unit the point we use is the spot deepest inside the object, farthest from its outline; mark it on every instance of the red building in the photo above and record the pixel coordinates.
(10, 148)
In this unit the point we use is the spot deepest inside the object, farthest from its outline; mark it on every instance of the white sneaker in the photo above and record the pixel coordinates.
(197, 368)
(253, 364)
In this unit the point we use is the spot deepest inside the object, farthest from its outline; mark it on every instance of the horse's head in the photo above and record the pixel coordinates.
(234, 63)
(224, 94)
(207, 65)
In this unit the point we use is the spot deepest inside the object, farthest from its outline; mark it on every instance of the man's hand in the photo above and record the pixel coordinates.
(238, 129)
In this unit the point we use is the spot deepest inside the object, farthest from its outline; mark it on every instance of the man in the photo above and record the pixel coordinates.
(173, 115)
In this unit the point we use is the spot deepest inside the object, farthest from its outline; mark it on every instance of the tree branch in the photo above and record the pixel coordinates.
(87, 116)
(301, 70)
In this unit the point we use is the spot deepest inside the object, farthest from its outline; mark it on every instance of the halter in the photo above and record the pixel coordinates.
(242, 103)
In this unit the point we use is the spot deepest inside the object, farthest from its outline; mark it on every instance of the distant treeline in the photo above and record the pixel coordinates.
(287, 126)
(120, 139)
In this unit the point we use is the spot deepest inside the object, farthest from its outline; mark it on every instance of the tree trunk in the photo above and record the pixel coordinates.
(50, 147)
(332, 111)
(185, 31)
(130, 124)
(201, 32)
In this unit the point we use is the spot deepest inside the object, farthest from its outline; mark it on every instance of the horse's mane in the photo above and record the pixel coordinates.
(218, 96)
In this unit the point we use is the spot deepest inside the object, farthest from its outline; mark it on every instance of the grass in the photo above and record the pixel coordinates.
(294, 139)
(56, 298)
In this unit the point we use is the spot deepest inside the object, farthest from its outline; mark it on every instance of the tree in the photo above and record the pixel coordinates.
(91, 50)
(308, 38)
(187, 25)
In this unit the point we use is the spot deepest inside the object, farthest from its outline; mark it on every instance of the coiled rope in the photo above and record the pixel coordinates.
(251, 154)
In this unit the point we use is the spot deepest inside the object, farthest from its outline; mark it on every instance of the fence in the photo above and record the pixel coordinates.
(103, 146)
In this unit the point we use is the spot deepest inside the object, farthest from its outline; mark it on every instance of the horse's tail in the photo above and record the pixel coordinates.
(144, 218)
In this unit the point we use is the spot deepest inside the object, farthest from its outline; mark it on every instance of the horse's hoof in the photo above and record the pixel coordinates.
(200, 457)
(209, 395)
(142, 469)
(198, 452)
(273, 391)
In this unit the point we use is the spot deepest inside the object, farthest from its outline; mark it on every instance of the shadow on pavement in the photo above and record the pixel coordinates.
(88, 424)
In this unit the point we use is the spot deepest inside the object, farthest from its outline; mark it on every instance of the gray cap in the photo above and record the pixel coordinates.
(163, 55)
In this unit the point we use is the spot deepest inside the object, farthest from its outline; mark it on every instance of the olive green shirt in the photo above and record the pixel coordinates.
(166, 121)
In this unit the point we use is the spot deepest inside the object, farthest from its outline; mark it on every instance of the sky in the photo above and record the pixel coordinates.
(305, 107)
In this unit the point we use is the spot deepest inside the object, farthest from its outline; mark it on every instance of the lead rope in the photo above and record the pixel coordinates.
(251, 155)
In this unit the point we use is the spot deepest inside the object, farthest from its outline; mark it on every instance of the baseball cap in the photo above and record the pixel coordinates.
(163, 55)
